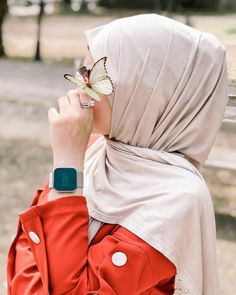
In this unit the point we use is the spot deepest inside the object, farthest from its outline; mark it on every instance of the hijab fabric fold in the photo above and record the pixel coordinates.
(170, 96)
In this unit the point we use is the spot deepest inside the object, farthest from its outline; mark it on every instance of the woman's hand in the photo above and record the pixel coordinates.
(70, 129)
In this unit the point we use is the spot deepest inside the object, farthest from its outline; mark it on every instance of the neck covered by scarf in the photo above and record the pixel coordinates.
(169, 100)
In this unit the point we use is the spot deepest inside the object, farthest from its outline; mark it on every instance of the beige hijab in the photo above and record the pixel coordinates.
(170, 96)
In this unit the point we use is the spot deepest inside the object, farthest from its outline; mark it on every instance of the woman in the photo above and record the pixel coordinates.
(144, 221)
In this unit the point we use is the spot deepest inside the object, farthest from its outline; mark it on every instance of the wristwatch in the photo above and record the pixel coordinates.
(66, 179)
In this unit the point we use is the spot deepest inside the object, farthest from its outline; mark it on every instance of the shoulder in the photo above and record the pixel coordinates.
(193, 188)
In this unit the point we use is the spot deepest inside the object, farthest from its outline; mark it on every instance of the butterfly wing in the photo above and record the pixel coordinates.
(98, 78)
(75, 81)
(98, 71)
(83, 86)
(104, 86)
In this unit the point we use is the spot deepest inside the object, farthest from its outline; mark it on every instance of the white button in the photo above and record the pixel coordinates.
(34, 237)
(119, 258)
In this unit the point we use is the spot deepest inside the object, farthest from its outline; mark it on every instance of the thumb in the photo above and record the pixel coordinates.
(52, 114)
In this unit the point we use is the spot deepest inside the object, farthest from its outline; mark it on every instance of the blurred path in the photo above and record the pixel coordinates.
(27, 89)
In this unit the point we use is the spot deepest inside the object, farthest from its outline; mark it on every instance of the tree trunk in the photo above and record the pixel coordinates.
(84, 6)
(3, 10)
(222, 6)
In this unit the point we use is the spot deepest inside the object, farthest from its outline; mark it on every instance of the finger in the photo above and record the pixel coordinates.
(52, 114)
(74, 99)
(79, 96)
(84, 98)
(64, 104)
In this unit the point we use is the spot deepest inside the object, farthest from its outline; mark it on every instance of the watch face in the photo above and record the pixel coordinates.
(65, 179)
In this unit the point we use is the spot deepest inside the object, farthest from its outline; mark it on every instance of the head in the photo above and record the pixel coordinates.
(170, 83)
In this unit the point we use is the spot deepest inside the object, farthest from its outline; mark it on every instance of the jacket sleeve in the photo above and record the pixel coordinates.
(51, 255)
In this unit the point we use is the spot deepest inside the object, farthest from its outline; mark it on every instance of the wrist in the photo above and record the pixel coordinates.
(79, 164)
(69, 160)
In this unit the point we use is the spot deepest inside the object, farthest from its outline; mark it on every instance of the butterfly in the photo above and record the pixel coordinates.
(93, 81)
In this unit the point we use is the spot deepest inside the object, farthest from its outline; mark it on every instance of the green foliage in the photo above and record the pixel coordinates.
(231, 30)
(174, 5)
(137, 4)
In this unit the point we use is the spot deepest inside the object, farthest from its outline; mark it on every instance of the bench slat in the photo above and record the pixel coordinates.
(230, 114)
(232, 100)
(222, 158)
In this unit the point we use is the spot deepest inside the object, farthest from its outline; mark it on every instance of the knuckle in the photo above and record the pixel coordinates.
(60, 121)
(62, 98)
(71, 92)
(65, 119)
(75, 116)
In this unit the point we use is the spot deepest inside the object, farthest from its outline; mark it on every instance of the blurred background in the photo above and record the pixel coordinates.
(40, 41)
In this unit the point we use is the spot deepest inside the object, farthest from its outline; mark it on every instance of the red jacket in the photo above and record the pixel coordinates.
(50, 254)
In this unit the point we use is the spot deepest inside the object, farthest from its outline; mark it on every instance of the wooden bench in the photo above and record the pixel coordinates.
(224, 157)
